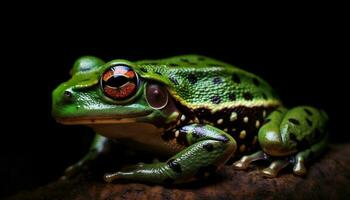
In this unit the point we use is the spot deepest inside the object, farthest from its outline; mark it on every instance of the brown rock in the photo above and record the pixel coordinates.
(328, 178)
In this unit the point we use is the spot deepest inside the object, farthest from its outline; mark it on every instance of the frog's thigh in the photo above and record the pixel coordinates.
(300, 131)
(209, 148)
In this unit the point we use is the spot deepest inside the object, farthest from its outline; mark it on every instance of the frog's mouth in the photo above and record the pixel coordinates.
(114, 119)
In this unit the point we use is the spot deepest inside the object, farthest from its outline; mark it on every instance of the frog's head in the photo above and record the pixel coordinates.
(110, 93)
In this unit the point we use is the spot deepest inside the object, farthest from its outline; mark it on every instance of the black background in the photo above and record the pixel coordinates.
(299, 55)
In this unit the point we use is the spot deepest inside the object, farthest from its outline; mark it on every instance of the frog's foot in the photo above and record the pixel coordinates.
(245, 161)
(289, 137)
(208, 149)
(270, 171)
(98, 146)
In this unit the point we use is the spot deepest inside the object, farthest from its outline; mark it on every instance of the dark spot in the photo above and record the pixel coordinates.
(173, 64)
(247, 96)
(308, 111)
(217, 80)
(292, 137)
(192, 78)
(143, 69)
(236, 78)
(267, 120)
(182, 139)
(209, 147)
(256, 82)
(309, 122)
(172, 79)
(200, 58)
(215, 99)
(158, 73)
(175, 166)
(294, 121)
(192, 63)
(202, 170)
(184, 60)
(303, 144)
(168, 181)
(264, 96)
(232, 97)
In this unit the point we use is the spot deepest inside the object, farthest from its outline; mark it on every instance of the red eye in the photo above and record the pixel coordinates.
(119, 82)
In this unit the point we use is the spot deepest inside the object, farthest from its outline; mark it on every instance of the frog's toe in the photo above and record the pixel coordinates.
(109, 177)
(245, 161)
(299, 169)
(274, 168)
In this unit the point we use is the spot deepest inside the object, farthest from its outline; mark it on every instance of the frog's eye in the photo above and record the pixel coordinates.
(119, 82)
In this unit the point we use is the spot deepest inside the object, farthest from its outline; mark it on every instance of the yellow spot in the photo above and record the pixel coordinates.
(178, 122)
(196, 120)
(264, 113)
(220, 121)
(245, 119)
(233, 129)
(177, 133)
(242, 134)
(183, 117)
(257, 124)
(242, 148)
(173, 130)
(255, 139)
(225, 129)
(206, 174)
(233, 116)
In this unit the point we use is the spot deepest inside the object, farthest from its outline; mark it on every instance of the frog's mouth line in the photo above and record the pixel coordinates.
(101, 119)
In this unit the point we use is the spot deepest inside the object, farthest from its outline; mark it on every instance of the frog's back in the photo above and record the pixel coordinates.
(201, 82)
(216, 93)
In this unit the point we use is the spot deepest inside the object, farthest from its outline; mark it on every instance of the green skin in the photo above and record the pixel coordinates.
(211, 111)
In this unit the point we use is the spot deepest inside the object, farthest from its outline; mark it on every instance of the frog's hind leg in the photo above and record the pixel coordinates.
(290, 137)
(209, 148)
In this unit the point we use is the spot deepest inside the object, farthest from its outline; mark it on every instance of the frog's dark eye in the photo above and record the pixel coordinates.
(119, 82)
(156, 96)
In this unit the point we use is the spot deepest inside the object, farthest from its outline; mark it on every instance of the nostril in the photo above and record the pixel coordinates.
(67, 94)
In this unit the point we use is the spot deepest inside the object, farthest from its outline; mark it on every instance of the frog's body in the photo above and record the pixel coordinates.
(198, 110)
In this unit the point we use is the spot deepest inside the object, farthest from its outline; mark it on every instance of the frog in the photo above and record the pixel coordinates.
(198, 111)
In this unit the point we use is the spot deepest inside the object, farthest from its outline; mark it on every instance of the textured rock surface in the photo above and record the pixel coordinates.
(328, 178)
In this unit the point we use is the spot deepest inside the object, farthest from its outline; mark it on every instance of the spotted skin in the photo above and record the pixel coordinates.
(213, 112)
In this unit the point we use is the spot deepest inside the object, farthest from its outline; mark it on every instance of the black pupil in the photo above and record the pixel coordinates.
(117, 81)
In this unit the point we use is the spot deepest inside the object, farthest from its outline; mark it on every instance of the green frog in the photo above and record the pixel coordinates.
(198, 111)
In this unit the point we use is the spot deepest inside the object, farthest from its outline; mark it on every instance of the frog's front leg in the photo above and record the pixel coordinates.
(289, 137)
(98, 146)
(209, 148)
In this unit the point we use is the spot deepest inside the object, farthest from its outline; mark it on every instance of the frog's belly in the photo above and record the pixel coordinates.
(140, 136)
